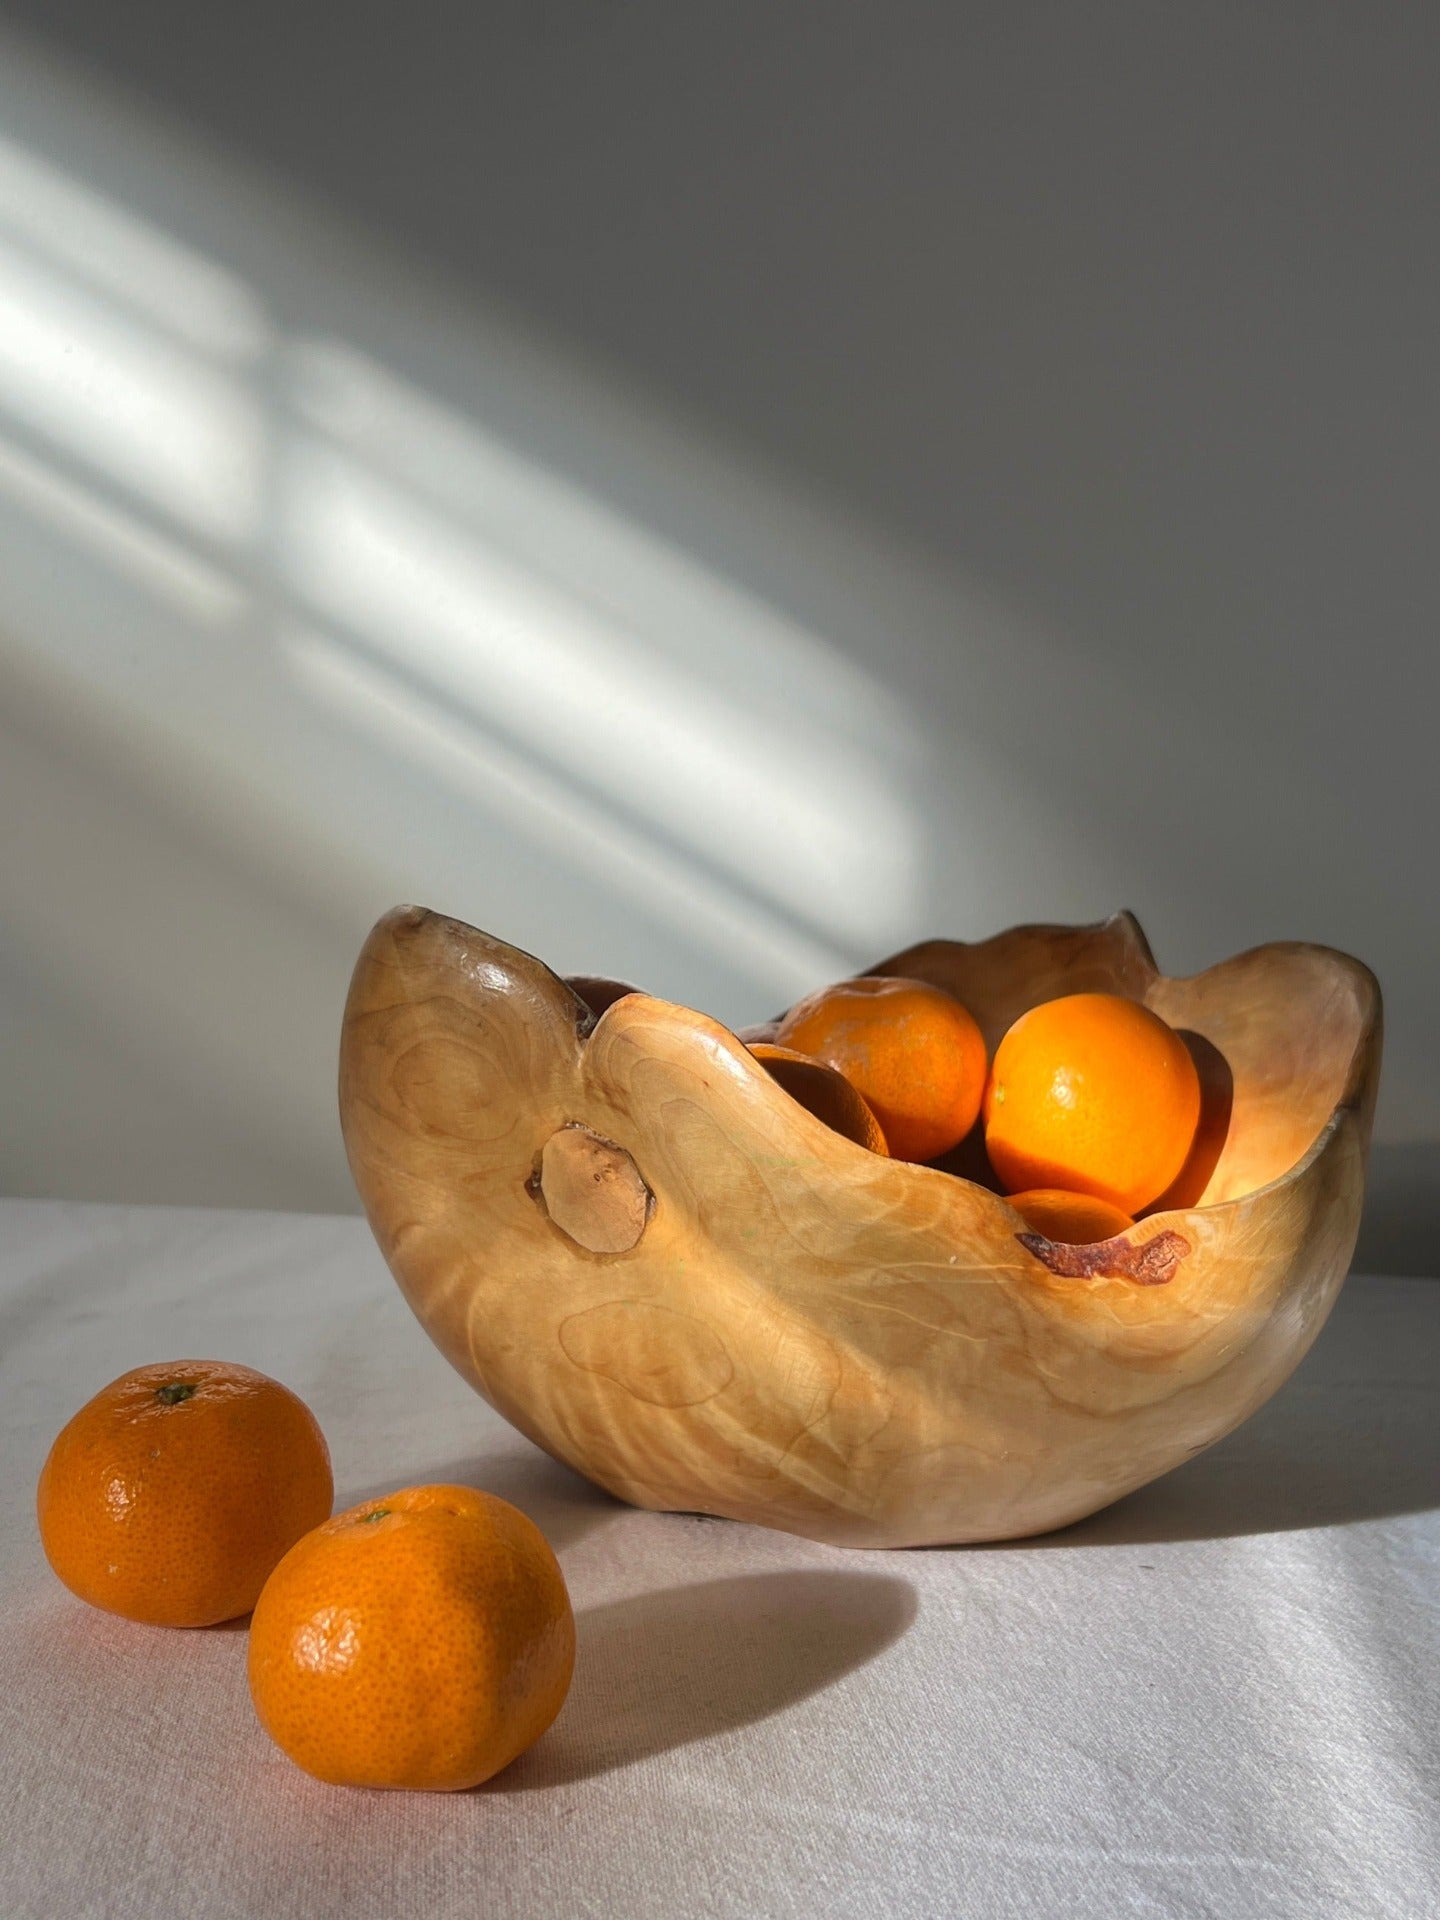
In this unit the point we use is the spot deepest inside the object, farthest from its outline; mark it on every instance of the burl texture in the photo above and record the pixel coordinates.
(671, 1276)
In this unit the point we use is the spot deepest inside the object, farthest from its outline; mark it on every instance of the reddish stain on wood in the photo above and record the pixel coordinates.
(1151, 1264)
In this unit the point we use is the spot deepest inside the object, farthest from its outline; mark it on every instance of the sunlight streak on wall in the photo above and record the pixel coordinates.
(770, 798)
(123, 255)
(568, 534)
(120, 398)
(292, 638)
(150, 559)
(542, 808)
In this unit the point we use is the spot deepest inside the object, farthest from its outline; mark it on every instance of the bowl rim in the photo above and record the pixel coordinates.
(1358, 1084)
(1357, 1091)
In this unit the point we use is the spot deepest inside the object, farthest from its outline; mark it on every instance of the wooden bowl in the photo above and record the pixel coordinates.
(671, 1276)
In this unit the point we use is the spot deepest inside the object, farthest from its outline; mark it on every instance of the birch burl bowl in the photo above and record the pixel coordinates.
(673, 1277)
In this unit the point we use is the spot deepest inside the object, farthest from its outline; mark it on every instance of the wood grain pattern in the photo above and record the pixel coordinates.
(809, 1336)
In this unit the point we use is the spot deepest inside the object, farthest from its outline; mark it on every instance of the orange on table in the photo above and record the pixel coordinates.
(170, 1496)
(912, 1051)
(1092, 1093)
(823, 1092)
(424, 1639)
(1077, 1218)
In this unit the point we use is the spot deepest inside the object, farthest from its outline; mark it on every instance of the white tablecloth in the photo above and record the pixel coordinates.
(1218, 1699)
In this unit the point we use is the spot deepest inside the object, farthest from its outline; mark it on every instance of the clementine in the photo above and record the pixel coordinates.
(170, 1496)
(424, 1639)
(1094, 1094)
(912, 1051)
(1078, 1218)
(823, 1092)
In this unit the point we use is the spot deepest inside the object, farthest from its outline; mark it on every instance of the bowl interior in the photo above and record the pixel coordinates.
(1279, 1034)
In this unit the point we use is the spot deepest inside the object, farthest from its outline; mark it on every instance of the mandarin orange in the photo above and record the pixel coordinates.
(423, 1640)
(1077, 1218)
(912, 1051)
(823, 1092)
(1091, 1093)
(170, 1496)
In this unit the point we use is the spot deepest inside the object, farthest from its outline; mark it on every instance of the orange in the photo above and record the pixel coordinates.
(1078, 1218)
(423, 1639)
(913, 1053)
(170, 1496)
(1092, 1093)
(823, 1092)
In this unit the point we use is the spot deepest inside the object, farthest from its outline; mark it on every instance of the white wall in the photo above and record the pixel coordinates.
(709, 496)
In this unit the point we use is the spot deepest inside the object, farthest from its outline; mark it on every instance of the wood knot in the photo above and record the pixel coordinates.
(1151, 1264)
(592, 1190)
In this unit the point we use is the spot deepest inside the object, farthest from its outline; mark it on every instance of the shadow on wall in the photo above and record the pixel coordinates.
(320, 589)
(1401, 1229)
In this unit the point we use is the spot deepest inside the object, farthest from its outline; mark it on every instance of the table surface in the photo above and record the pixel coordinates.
(1216, 1699)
